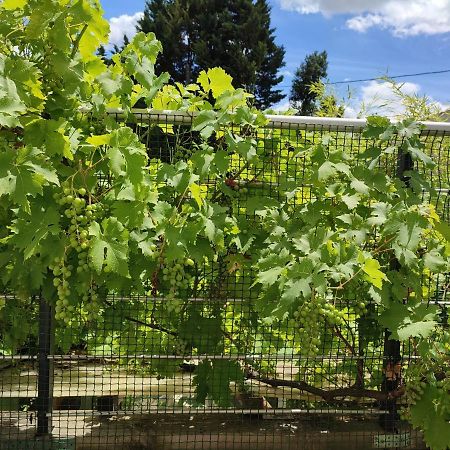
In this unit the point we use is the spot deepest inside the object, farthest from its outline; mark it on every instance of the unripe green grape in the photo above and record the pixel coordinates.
(189, 262)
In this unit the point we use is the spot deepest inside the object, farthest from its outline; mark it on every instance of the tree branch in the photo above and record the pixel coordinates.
(351, 391)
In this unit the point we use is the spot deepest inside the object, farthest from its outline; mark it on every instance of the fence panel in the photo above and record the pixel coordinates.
(123, 378)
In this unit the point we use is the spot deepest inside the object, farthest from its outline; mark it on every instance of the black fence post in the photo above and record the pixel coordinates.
(392, 357)
(45, 373)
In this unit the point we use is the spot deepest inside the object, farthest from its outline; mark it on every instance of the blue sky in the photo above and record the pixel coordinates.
(363, 38)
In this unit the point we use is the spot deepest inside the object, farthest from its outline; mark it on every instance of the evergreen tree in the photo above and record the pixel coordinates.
(101, 51)
(233, 34)
(311, 71)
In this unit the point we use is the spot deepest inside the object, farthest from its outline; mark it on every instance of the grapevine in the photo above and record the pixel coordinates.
(87, 210)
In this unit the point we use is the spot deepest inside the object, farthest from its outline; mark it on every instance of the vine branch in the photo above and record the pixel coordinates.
(153, 326)
(351, 391)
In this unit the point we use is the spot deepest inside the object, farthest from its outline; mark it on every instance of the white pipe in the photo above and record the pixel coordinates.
(280, 121)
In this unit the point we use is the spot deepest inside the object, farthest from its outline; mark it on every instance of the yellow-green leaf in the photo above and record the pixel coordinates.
(13, 4)
(215, 80)
(196, 193)
(373, 273)
(101, 139)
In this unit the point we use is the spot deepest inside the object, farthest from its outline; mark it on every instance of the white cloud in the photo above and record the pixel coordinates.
(378, 97)
(282, 106)
(402, 17)
(121, 25)
(286, 73)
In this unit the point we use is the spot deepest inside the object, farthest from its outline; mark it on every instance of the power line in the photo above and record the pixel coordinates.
(362, 80)
(392, 77)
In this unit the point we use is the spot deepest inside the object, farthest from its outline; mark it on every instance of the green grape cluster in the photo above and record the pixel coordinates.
(67, 299)
(312, 315)
(61, 273)
(79, 213)
(176, 276)
(360, 308)
(310, 327)
(91, 301)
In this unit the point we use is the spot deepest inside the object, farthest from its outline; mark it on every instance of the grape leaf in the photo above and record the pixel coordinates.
(11, 105)
(360, 186)
(434, 261)
(213, 378)
(326, 170)
(373, 273)
(196, 193)
(109, 248)
(424, 415)
(31, 230)
(215, 80)
(351, 201)
(23, 174)
(405, 321)
(127, 155)
(13, 4)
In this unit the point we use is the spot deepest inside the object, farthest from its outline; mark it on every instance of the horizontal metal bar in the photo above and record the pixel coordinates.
(222, 357)
(197, 411)
(280, 121)
(118, 297)
(17, 357)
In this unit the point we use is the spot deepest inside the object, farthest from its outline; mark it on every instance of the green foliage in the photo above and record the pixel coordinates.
(414, 106)
(87, 212)
(326, 99)
(235, 35)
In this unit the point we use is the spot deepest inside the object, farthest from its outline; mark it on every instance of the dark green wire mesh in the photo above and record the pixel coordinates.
(125, 380)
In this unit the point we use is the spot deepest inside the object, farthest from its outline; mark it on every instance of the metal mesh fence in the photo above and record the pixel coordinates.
(125, 379)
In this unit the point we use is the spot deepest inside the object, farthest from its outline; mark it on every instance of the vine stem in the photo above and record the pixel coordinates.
(153, 326)
(352, 391)
(76, 44)
(337, 332)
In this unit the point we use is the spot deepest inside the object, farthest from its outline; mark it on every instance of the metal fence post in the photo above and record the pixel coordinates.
(45, 374)
(392, 348)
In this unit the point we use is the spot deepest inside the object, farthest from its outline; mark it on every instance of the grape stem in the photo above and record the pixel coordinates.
(153, 326)
(76, 44)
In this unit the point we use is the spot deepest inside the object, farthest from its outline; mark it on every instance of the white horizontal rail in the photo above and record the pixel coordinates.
(280, 121)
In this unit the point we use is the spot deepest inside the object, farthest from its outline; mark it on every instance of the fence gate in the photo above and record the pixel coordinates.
(123, 379)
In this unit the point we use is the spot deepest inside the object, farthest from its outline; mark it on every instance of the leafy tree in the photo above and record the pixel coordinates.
(233, 34)
(312, 70)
